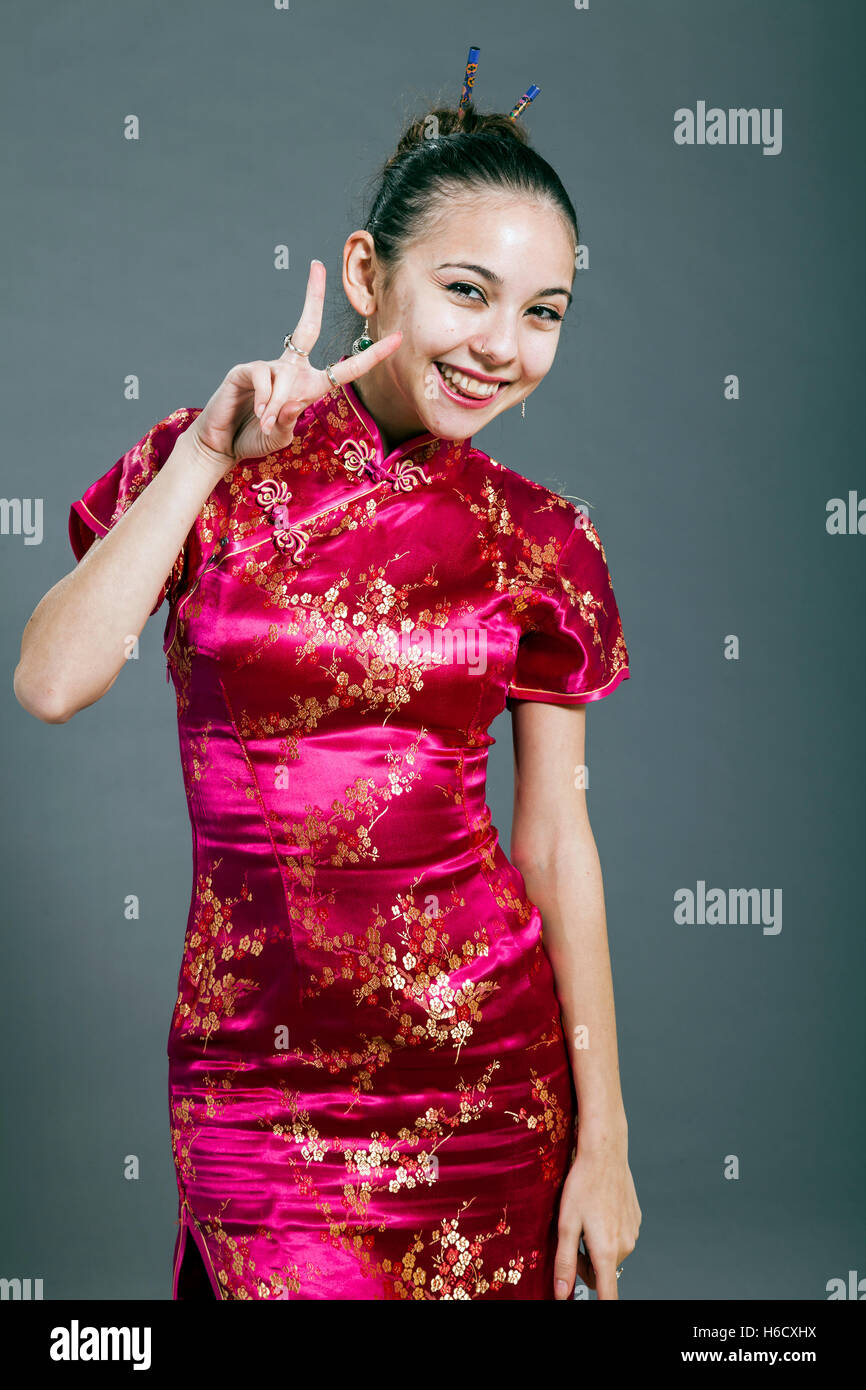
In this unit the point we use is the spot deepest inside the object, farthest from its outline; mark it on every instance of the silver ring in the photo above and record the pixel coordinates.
(333, 380)
(287, 343)
(619, 1272)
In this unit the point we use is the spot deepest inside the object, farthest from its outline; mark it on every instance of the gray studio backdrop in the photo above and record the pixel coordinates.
(703, 402)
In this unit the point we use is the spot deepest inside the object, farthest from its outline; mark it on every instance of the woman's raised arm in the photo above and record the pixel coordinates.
(78, 637)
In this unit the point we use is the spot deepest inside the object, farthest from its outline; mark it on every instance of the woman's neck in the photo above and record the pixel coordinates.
(378, 399)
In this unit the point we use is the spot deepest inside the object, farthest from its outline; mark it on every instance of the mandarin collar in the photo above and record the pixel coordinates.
(358, 442)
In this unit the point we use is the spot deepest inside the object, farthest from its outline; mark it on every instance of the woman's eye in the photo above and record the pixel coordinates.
(460, 287)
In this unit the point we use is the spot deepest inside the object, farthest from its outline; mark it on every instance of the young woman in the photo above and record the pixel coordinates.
(375, 1065)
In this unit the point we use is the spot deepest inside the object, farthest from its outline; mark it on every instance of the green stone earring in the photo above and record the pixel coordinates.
(363, 342)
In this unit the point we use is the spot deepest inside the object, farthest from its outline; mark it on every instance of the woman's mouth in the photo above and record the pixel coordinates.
(469, 391)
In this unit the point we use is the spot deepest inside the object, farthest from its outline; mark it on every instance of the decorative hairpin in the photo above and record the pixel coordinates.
(469, 83)
(523, 102)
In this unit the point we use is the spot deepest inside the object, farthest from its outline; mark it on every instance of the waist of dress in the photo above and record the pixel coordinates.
(416, 842)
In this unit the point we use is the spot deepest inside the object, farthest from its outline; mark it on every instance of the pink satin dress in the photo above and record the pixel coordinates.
(369, 1089)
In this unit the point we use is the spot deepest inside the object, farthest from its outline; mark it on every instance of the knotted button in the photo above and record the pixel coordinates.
(274, 497)
(361, 461)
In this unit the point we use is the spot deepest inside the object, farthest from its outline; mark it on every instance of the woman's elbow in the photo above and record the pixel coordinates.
(542, 858)
(44, 703)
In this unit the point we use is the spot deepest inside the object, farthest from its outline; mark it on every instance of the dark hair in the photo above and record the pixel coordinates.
(440, 155)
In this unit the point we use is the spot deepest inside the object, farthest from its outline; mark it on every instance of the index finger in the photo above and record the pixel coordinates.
(306, 333)
(356, 364)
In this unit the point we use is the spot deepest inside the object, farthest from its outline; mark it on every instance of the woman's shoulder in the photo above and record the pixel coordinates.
(532, 508)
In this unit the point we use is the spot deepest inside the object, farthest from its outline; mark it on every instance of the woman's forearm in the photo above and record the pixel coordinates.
(569, 893)
(78, 638)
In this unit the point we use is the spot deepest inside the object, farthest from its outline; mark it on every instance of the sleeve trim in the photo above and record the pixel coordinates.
(555, 697)
(87, 516)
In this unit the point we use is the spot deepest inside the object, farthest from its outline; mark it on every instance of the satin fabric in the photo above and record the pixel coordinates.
(369, 1089)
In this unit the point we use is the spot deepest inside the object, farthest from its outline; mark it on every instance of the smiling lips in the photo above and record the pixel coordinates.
(459, 386)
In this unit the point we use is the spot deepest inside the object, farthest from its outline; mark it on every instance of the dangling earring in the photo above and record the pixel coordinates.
(523, 408)
(363, 342)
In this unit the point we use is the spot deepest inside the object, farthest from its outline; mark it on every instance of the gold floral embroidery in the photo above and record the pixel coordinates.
(183, 1136)
(197, 763)
(546, 1118)
(421, 974)
(520, 563)
(342, 834)
(185, 1128)
(231, 1255)
(456, 1264)
(209, 995)
(383, 1162)
(367, 1057)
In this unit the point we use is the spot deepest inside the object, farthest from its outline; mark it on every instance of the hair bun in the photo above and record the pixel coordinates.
(445, 120)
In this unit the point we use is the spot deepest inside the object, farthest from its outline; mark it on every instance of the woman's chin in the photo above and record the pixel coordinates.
(451, 422)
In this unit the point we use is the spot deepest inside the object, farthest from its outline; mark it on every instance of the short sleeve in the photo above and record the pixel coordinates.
(106, 500)
(573, 649)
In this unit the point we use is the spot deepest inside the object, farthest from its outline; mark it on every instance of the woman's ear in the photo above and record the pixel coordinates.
(359, 273)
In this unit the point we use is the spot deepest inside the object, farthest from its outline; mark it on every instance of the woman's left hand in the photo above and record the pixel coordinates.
(598, 1202)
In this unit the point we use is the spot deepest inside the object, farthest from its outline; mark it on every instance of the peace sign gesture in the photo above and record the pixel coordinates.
(254, 410)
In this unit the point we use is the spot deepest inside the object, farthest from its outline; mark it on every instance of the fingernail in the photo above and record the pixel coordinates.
(561, 1288)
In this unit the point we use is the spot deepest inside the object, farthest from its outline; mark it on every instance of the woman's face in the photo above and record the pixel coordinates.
(483, 293)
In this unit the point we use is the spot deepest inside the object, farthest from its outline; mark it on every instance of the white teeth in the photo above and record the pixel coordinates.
(468, 384)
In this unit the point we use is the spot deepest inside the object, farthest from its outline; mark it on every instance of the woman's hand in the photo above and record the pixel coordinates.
(598, 1202)
(253, 412)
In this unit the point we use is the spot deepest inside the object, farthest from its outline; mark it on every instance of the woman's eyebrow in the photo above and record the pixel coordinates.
(497, 279)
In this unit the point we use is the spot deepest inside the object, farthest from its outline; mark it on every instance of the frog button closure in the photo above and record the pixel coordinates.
(274, 497)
